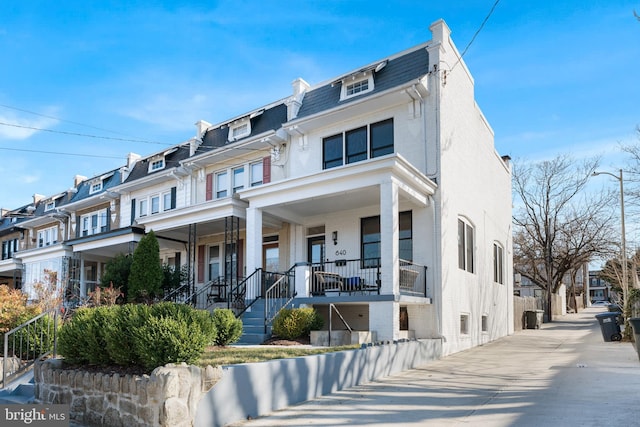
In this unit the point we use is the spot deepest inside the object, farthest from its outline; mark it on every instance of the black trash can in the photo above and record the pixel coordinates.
(533, 318)
(635, 324)
(610, 325)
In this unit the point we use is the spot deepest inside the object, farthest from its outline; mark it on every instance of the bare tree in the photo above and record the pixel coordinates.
(558, 227)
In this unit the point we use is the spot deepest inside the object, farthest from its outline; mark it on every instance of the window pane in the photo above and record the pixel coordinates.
(256, 174)
(469, 247)
(143, 207)
(166, 201)
(356, 145)
(370, 244)
(461, 241)
(382, 138)
(406, 236)
(332, 152)
(238, 179)
(221, 185)
(155, 204)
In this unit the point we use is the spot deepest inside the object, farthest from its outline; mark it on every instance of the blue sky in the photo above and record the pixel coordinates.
(551, 76)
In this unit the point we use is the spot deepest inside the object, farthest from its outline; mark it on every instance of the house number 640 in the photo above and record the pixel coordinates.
(341, 252)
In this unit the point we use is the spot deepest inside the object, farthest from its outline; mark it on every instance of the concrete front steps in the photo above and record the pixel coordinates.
(20, 391)
(253, 325)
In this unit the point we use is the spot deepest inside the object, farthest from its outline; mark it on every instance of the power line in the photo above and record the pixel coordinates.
(84, 135)
(60, 153)
(59, 119)
(476, 34)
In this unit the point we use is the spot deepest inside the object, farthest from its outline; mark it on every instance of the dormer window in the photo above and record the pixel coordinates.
(49, 206)
(239, 129)
(156, 164)
(356, 84)
(95, 187)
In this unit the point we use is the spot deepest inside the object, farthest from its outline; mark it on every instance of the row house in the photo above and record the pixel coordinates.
(377, 195)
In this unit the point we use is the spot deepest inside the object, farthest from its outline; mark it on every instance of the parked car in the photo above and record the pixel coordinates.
(599, 303)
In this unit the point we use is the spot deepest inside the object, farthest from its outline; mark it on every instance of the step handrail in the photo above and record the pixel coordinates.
(43, 352)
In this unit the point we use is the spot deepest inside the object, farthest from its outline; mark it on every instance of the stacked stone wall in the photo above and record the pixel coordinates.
(167, 397)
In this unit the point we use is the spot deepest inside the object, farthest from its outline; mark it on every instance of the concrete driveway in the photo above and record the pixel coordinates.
(563, 374)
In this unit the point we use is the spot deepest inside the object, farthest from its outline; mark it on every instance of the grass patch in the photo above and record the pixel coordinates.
(218, 356)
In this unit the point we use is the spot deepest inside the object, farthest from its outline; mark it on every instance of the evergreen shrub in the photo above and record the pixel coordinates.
(294, 323)
(228, 326)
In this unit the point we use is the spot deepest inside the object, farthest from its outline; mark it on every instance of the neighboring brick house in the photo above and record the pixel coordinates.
(379, 191)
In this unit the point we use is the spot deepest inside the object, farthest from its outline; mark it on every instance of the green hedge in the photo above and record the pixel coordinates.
(148, 336)
(228, 326)
(293, 323)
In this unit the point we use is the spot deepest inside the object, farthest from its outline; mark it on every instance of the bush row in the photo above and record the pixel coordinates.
(143, 335)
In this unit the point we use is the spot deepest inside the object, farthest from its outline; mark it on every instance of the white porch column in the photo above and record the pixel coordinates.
(384, 319)
(254, 239)
(83, 283)
(389, 233)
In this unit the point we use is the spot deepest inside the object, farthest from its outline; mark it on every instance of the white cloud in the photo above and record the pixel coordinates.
(15, 127)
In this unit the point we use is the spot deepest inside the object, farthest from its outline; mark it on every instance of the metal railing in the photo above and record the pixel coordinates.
(353, 276)
(25, 344)
(363, 276)
(413, 279)
(278, 295)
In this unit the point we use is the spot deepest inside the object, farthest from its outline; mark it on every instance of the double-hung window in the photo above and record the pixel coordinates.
(47, 237)
(94, 223)
(155, 204)
(465, 246)
(370, 239)
(256, 173)
(222, 184)
(356, 145)
(238, 179)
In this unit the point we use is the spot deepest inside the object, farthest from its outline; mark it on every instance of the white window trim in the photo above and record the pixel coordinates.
(155, 161)
(248, 179)
(49, 206)
(95, 187)
(354, 79)
(253, 180)
(239, 129)
(498, 263)
(102, 222)
(469, 265)
(162, 206)
(51, 233)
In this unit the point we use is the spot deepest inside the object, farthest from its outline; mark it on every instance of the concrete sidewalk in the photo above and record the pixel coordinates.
(563, 374)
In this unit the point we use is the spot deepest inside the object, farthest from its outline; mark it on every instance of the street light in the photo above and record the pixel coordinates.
(623, 254)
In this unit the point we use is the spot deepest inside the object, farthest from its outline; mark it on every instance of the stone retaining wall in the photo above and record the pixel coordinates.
(167, 397)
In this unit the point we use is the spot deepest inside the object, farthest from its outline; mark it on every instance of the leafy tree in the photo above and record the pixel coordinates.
(558, 227)
(145, 279)
(117, 272)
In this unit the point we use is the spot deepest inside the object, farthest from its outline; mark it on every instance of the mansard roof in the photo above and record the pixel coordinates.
(109, 180)
(172, 158)
(402, 68)
(264, 120)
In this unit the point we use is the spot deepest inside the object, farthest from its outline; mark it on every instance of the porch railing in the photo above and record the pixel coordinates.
(363, 276)
(279, 292)
(351, 276)
(413, 279)
(25, 344)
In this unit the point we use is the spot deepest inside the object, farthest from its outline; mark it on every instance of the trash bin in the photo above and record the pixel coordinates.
(610, 325)
(533, 318)
(614, 308)
(635, 324)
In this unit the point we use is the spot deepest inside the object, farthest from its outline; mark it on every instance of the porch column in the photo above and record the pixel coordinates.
(384, 319)
(254, 240)
(389, 234)
(83, 283)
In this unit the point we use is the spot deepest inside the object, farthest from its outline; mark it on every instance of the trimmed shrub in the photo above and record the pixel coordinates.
(229, 327)
(148, 336)
(293, 323)
(73, 335)
(163, 340)
(120, 339)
